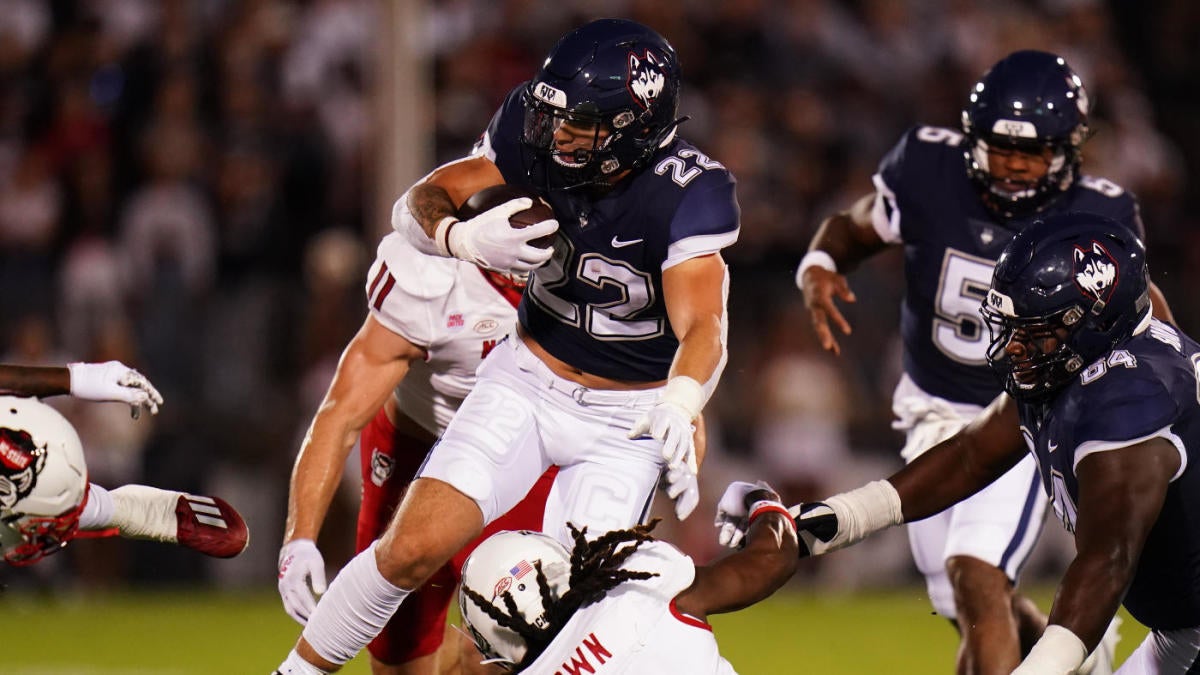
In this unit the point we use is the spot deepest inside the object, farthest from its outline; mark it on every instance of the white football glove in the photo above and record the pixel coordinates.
(733, 511)
(301, 564)
(488, 240)
(114, 381)
(671, 424)
(683, 486)
(670, 421)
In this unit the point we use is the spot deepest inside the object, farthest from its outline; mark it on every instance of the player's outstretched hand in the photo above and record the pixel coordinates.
(820, 286)
(301, 578)
(114, 381)
(733, 510)
(683, 486)
(490, 241)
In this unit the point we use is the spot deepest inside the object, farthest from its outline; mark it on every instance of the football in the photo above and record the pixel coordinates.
(491, 197)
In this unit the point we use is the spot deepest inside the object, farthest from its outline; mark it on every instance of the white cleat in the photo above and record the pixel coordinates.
(205, 524)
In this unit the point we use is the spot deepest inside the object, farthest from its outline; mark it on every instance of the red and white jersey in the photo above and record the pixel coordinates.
(636, 627)
(446, 306)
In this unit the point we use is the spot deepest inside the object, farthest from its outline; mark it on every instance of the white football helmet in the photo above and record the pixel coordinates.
(504, 563)
(43, 480)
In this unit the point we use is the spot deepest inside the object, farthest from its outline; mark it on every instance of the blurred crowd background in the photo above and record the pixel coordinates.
(192, 187)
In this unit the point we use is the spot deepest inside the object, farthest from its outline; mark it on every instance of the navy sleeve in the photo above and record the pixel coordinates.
(1128, 403)
(708, 208)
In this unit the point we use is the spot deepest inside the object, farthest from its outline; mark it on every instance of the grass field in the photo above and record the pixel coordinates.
(192, 633)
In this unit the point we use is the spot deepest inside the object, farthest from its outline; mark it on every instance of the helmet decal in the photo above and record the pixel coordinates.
(552, 95)
(20, 463)
(501, 587)
(1095, 271)
(646, 78)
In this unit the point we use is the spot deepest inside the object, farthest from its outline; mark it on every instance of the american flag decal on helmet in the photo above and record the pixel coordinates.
(521, 569)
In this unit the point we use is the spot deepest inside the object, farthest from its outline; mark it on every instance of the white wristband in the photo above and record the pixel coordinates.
(1057, 652)
(864, 511)
(441, 235)
(684, 392)
(815, 258)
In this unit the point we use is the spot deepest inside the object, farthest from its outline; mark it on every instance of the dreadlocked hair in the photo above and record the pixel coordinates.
(595, 570)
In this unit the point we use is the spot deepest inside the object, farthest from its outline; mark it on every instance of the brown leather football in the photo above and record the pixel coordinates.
(491, 197)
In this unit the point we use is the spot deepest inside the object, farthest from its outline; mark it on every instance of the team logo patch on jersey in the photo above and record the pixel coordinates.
(455, 321)
(1095, 271)
(20, 463)
(486, 325)
(646, 78)
(382, 467)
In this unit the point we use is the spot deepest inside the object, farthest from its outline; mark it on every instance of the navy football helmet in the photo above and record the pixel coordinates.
(1029, 101)
(610, 74)
(1068, 288)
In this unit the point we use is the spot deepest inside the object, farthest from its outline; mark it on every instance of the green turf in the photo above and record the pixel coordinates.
(193, 633)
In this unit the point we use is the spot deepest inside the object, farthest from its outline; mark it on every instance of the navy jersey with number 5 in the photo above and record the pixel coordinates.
(598, 303)
(1144, 389)
(951, 242)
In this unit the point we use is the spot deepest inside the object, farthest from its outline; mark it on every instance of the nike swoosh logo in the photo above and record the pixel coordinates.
(1052, 446)
(617, 243)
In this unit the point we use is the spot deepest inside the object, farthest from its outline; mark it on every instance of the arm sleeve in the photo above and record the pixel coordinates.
(707, 220)
(1135, 407)
(404, 288)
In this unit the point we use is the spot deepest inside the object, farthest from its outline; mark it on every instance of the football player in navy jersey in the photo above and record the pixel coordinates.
(621, 329)
(1104, 397)
(1022, 132)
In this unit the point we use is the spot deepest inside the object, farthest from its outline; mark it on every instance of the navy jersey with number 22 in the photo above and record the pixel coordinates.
(598, 304)
(951, 243)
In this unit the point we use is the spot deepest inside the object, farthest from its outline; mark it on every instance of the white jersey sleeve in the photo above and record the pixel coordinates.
(448, 308)
(403, 286)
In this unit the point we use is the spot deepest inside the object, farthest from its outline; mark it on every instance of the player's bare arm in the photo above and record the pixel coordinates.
(440, 193)
(963, 464)
(40, 381)
(107, 381)
(695, 299)
(765, 563)
(842, 241)
(371, 366)
(486, 239)
(1121, 493)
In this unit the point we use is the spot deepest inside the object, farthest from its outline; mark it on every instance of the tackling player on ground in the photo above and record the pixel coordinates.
(622, 602)
(45, 498)
(1023, 128)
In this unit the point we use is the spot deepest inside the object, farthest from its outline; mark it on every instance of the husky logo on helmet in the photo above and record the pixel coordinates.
(20, 462)
(1095, 271)
(646, 78)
